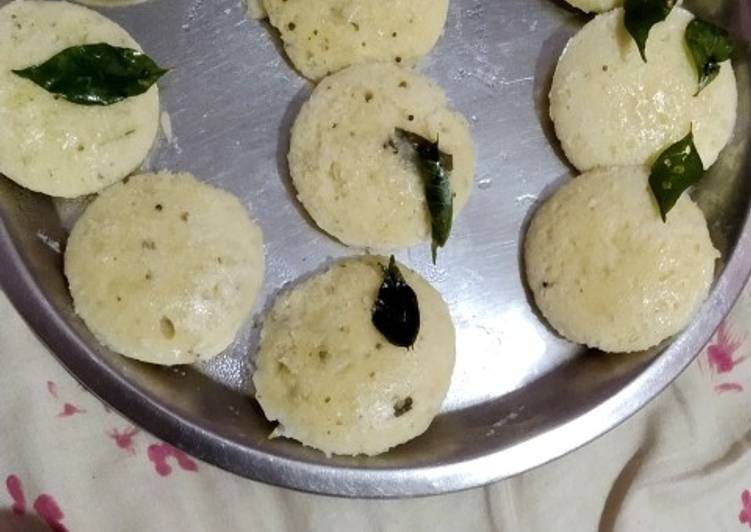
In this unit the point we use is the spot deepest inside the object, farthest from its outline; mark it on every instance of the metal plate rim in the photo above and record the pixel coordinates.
(72, 353)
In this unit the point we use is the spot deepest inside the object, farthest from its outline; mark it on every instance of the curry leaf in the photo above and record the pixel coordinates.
(641, 15)
(95, 74)
(676, 169)
(709, 46)
(435, 166)
(403, 406)
(396, 313)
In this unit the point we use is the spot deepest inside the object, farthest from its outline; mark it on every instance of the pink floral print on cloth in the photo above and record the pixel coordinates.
(44, 505)
(124, 439)
(745, 516)
(721, 356)
(69, 409)
(160, 452)
(15, 490)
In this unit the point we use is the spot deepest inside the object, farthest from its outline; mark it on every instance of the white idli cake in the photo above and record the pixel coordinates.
(165, 269)
(607, 272)
(324, 36)
(595, 6)
(353, 175)
(333, 381)
(610, 108)
(255, 9)
(51, 145)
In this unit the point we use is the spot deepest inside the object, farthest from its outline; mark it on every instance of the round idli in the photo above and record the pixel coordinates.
(48, 144)
(607, 272)
(329, 377)
(165, 269)
(595, 6)
(610, 108)
(324, 36)
(355, 179)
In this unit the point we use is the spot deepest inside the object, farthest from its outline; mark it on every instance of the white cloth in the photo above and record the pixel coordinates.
(682, 464)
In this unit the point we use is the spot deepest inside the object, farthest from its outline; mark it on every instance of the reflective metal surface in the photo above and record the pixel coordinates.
(520, 395)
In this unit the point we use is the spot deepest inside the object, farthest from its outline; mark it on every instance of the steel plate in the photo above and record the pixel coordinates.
(520, 395)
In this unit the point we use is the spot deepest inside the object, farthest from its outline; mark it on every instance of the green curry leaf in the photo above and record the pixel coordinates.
(95, 74)
(641, 15)
(709, 47)
(676, 169)
(435, 166)
(396, 313)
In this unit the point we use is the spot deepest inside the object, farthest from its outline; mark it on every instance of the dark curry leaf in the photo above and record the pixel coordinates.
(396, 313)
(676, 169)
(95, 74)
(641, 15)
(403, 406)
(709, 47)
(435, 166)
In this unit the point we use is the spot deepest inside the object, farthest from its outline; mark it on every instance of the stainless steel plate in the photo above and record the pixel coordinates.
(520, 395)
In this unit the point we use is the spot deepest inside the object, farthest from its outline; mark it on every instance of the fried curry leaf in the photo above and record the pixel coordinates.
(403, 406)
(95, 74)
(709, 47)
(396, 313)
(435, 166)
(641, 15)
(676, 169)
